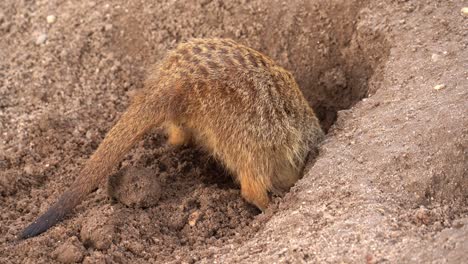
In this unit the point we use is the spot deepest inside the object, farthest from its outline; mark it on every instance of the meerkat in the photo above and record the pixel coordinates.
(233, 101)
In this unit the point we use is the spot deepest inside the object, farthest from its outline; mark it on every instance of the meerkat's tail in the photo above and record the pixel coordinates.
(133, 124)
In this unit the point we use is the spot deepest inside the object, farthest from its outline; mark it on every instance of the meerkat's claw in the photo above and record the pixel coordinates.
(254, 191)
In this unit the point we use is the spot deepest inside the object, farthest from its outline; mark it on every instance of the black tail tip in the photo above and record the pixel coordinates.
(44, 222)
(28, 232)
(33, 230)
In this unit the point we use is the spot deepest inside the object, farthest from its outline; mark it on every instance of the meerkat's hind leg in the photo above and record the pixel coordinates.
(285, 176)
(254, 190)
(177, 135)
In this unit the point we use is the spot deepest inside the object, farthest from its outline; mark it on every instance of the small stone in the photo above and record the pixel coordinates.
(41, 39)
(422, 216)
(28, 169)
(51, 19)
(458, 224)
(435, 57)
(370, 259)
(69, 252)
(439, 87)
(464, 11)
(108, 27)
(92, 135)
(193, 218)
(135, 247)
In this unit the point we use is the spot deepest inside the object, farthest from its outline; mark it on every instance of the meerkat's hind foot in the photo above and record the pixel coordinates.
(177, 135)
(254, 191)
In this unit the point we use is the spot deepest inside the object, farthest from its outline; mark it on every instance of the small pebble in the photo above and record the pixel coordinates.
(28, 169)
(458, 224)
(422, 216)
(51, 19)
(193, 218)
(464, 11)
(435, 57)
(41, 39)
(439, 87)
(108, 27)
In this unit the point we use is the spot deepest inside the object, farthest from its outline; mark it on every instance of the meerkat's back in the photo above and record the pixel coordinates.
(245, 109)
(239, 105)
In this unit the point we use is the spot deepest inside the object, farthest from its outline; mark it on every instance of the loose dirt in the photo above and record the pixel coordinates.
(388, 80)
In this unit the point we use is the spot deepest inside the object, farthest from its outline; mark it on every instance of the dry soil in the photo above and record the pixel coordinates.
(388, 79)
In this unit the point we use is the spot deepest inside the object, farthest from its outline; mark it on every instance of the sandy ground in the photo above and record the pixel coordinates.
(390, 184)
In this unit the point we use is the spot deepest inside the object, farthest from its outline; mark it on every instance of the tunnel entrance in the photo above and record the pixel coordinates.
(332, 52)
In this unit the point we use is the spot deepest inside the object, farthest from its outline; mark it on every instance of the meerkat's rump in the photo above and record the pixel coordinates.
(233, 101)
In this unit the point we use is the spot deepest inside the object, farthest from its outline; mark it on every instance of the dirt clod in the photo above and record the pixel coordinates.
(135, 187)
(71, 251)
(97, 232)
(96, 257)
(422, 216)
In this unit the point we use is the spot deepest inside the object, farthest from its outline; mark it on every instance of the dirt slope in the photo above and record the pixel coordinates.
(390, 183)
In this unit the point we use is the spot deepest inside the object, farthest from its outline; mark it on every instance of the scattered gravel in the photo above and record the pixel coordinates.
(41, 39)
(51, 19)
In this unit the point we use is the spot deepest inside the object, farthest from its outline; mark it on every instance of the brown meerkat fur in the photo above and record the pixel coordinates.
(235, 102)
